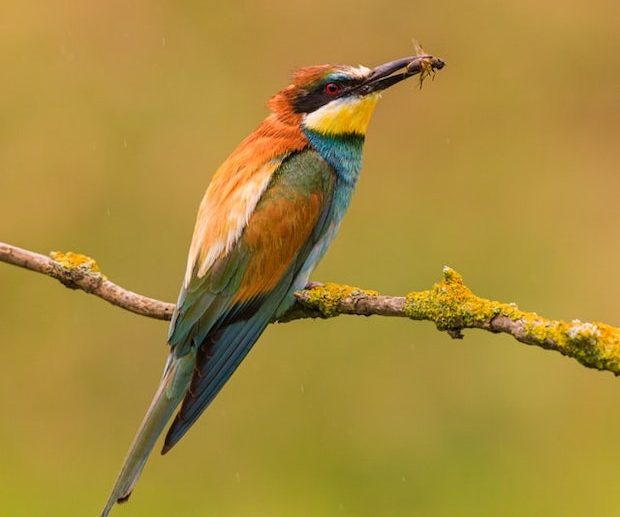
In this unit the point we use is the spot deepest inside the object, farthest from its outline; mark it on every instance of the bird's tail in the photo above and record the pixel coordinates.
(172, 389)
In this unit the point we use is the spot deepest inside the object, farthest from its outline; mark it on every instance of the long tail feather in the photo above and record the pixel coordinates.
(171, 390)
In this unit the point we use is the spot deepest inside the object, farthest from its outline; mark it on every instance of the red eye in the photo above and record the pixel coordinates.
(332, 88)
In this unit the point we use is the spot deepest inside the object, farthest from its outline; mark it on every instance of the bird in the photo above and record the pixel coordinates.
(268, 216)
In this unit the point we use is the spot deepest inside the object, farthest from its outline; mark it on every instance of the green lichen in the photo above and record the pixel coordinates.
(76, 261)
(326, 298)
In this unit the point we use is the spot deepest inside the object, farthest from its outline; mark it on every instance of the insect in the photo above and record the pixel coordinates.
(426, 65)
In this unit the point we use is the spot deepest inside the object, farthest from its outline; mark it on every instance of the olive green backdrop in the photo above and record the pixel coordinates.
(113, 116)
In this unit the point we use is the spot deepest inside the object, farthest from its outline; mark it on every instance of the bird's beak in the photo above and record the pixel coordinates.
(389, 74)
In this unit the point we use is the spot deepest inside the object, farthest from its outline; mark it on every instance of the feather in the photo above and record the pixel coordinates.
(171, 390)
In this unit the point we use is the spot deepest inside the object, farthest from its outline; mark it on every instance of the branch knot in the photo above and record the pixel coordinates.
(76, 271)
(451, 305)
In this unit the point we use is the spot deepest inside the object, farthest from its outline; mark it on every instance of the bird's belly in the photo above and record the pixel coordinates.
(301, 280)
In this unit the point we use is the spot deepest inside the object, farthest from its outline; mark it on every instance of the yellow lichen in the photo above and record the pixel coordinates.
(326, 297)
(72, 260)
(452, 307)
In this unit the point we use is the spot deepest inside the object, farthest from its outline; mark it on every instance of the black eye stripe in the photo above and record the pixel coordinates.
(310, 100)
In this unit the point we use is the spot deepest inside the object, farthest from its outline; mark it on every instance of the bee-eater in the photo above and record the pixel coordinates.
(267, 218)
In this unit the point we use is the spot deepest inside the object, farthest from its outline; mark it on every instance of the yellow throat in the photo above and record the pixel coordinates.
(343, 116)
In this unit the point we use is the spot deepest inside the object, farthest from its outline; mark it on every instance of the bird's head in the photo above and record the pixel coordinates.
(339, 99)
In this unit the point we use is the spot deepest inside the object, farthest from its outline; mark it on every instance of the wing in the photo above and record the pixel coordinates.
(213, 266)
(224, 212)
(223, 313)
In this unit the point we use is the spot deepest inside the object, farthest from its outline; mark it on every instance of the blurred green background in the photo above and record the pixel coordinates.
(113, 116)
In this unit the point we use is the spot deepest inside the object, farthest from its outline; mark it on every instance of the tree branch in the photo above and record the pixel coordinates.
(449, 304)
(77, 271)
